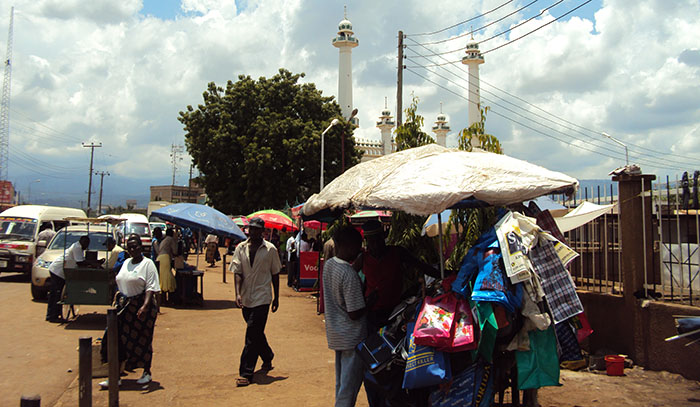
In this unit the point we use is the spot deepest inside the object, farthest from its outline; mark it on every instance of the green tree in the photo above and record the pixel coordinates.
(472, 222)
(406, 228)
(257, 143)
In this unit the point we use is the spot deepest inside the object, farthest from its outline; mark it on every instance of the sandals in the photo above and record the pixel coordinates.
(243, 381)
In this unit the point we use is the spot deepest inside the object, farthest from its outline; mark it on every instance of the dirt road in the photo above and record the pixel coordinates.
(196, 353)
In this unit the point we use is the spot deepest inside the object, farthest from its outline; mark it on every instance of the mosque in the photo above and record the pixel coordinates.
(345, 41)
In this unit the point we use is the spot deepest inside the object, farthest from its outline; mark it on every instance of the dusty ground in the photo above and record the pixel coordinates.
(197, 350)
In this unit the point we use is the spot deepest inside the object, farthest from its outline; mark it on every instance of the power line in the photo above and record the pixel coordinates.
(66, 136)
(594, 132)
(479, 28)
(534, 129)
(460, 23)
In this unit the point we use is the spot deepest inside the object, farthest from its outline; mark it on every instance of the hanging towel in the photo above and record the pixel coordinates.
(557, 284)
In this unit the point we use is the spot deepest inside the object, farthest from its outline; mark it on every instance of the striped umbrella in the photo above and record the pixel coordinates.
(274, 219)
(240, 220)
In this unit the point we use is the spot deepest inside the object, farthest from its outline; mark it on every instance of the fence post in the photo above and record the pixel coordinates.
(85, 371)
(33, 400)
(634, 216)
(223, 268)
(113, 357)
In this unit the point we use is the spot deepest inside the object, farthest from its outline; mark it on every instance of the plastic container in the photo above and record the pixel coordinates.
(614, 365)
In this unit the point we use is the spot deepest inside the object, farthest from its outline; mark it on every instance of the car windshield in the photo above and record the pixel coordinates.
(140, 229)
(17, 228)
(61, 241)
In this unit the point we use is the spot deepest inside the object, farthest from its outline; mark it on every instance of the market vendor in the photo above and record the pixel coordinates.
(72, 257)
(389, 272)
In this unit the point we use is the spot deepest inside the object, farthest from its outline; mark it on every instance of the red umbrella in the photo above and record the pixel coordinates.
(314, 224)
(274, 219)
(240, 220)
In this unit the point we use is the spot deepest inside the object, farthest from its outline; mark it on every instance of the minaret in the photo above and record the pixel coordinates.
(473, 59)
(441, 129)
(385, 124)
(345, 41)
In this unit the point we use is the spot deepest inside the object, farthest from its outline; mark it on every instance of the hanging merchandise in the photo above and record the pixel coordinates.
(516, 239)
(463, 330)
(434, 323)
(583, 327)
(557, 284)
(472, 387)
(488, 328)
(378, 350)
(425, 366)
(539, 366)
(569, 349)
(484, 258)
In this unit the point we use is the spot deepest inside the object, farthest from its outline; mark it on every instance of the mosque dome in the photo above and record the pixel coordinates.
(345, 25)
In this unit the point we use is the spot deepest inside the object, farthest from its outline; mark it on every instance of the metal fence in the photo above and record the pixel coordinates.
(598, 267)
(677, 239)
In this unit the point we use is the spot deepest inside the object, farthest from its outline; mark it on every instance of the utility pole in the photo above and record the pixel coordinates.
(102, 177)
(92, 147)
(189, 185)
(399, 82)
(5, 104)
(175, 152)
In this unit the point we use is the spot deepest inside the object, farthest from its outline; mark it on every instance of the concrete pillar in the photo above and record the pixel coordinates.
(637, 244)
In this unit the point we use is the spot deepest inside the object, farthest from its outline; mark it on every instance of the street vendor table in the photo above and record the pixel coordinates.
(186, 290)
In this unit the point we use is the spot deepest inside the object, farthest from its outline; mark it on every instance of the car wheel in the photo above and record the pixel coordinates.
(38, 293)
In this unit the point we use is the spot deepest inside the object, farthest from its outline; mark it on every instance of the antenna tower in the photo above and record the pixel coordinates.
(5, 104)
(175, 156)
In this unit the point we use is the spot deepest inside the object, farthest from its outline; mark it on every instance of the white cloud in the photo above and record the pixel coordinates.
(101, 71)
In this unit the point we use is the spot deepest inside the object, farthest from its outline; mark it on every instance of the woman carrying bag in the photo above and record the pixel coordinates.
(137, 284)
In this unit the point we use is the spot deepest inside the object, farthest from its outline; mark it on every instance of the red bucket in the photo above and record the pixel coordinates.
(614, 365)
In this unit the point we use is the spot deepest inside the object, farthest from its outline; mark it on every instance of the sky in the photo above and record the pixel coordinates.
(118, 73)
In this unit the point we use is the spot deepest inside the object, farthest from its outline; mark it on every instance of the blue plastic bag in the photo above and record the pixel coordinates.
(473, 387)
(425, 366)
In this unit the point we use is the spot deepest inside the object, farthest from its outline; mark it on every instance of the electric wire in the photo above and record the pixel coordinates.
(460, 23)
(594, 132)
(472, 31)
(35, 161)
(66, 136)
(532, 128)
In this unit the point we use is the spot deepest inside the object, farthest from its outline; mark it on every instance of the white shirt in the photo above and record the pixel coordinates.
(290, 247)
(304, 246)
(69, 258)
(257, 279)
(134, 279)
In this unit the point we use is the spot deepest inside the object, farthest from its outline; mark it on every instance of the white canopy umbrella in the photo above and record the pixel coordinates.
(429, 179)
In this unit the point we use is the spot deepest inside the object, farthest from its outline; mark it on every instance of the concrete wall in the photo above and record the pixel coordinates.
(614, 326)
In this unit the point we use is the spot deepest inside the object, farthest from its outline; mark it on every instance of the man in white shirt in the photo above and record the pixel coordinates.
(71, 258)
(114, 251)
(256, 265)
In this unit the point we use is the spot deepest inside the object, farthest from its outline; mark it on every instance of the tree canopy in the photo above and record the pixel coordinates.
(257, 143)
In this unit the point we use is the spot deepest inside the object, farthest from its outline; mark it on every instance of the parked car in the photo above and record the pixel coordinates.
(133, 223)
(19, 233)
(60, 242)
(161, 225)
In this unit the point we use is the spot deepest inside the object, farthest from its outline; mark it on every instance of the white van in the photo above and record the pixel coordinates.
(135, 223)
(19, 230)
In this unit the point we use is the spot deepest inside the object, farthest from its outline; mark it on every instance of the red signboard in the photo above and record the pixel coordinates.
(7, 192)
(308, 270)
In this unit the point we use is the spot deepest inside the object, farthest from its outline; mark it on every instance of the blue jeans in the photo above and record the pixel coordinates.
(349, 371)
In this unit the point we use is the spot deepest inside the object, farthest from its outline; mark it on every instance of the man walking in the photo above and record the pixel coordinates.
(256, 264)
(345, 321)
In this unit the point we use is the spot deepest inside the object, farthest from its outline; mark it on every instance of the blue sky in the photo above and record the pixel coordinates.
(119, 72)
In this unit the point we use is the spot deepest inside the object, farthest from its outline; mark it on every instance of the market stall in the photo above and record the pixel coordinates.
(204, 219)
(501, 319)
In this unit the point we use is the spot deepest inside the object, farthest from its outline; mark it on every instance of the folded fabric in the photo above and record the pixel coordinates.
(557, 284)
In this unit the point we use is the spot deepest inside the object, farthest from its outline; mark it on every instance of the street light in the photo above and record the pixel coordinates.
(29, 190)
(627, 159)
(333, 123)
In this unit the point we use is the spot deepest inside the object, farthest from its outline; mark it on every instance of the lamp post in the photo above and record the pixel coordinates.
(333, 123)
(29, 190)
(342, 141)
(627, 159)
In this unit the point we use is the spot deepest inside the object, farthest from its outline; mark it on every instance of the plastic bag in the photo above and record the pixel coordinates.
(539, 366)
(434, 323)
(488, 328)
(464, 329)
(425, 366)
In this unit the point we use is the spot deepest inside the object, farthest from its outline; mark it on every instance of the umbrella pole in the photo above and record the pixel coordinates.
(442, 265)
(199, 248)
